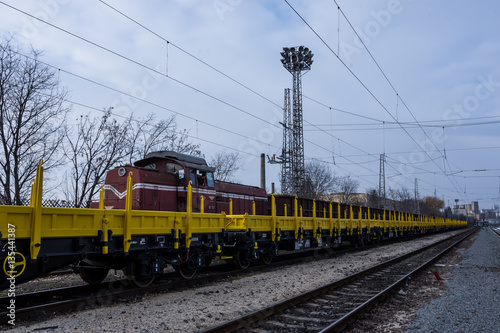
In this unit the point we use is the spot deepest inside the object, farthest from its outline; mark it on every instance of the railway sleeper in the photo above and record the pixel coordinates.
(307, 319)
(273, 325)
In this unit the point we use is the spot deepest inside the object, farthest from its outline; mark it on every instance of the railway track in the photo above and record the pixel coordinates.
(33, 305)
(333, 307)
(495, 230)
(38, 305)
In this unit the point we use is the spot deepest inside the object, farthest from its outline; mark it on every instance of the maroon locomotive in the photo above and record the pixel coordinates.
(160, 183)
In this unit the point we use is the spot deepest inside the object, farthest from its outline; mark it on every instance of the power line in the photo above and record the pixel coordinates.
(152, 70)
(141, 100)
(189, 54)
(217, 70)
(367, 89)
(141, 65)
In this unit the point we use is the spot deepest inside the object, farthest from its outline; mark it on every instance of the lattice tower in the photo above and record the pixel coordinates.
(286, 156)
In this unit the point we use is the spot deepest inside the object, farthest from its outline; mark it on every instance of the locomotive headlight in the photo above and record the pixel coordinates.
(122, 172)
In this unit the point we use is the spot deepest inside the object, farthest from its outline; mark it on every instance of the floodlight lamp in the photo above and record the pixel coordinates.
(301, 48)
(292, 49)
(306, 50)
(283, 61)
(286, 49)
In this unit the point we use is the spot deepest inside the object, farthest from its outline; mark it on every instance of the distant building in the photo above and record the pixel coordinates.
(469, 210)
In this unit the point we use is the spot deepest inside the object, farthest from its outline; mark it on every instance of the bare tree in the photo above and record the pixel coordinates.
(320, 180)
(402, 199)
(347, 188)
(147, 135)
(226, 164)
(373, 199)
(32, 119)
(97, 145)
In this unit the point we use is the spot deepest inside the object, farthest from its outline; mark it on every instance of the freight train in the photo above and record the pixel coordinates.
(168, 210)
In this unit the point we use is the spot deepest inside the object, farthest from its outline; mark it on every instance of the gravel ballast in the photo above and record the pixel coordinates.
(471, 301)
(200, 308)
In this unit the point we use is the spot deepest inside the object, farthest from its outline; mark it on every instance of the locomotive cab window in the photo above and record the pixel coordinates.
(210, 179)
(192, 176)
(205, 178)
(175, 168)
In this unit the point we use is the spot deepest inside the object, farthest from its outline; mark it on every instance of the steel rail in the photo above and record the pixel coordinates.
(495, 230)
(30, 305)
(349, 318)
(39, 303)
(262, 314)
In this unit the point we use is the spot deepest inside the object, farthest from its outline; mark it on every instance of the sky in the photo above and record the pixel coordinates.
(423, 87)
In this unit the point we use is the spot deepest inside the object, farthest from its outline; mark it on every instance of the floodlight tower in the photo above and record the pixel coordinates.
(297, 60)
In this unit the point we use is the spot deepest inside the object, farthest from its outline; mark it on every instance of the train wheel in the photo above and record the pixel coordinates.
(187, 270)
(141, 281)
(93, 275)
(266, 257)
(141, 276)
(242, 259)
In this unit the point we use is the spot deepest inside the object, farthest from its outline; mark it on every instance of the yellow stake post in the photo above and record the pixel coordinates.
(36, 218)
(295, 217)
(105, 222)
(127, 225)
(331, 219)
(189, 211)
(273, 217)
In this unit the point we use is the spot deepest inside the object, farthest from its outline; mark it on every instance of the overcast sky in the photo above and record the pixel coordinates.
(216, 64)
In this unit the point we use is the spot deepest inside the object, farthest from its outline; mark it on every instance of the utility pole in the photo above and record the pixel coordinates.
(417, 203)
(381, 180)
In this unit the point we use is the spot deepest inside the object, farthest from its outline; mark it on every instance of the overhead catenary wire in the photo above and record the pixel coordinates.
(271, 102)
(455, 185)
(154, 71)
(217, 70)
(140, 64)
